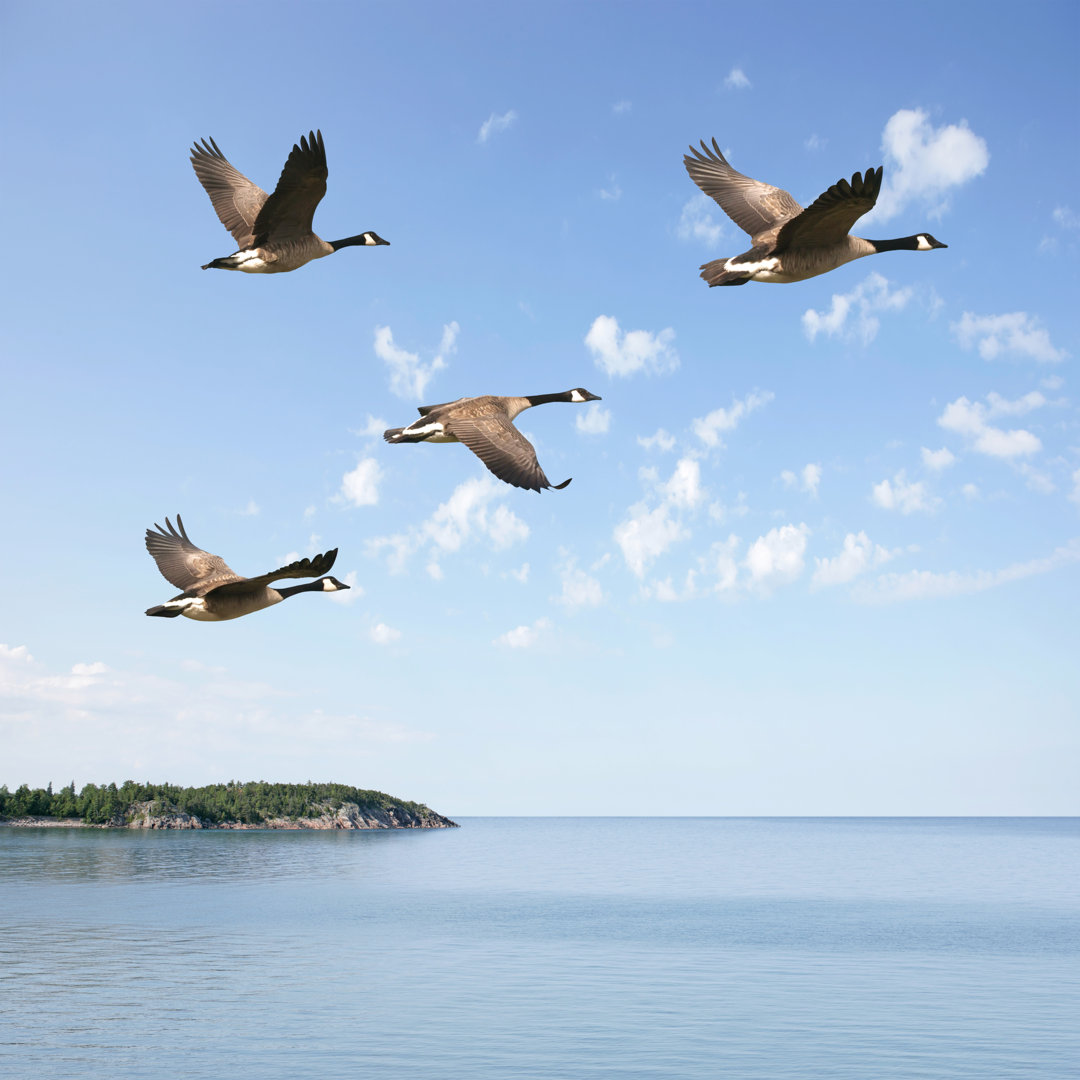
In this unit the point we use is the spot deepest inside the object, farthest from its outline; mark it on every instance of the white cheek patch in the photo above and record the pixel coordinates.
(328, 586)
(577, 397)
(752, 267)
(924, 244)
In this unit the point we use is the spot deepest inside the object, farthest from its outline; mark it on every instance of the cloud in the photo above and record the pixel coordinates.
(808, 479)
(684, 487)
(408, 376)
(595, 420)
(863, 303)
(469, 515)
(523, 637)
(970, 419)
(736, 80)
(620, 108)
(646, 534)
(924, 163)
(349, 596)
(251, 510)
(1074, 495)
(815, 143)
(612, 193)
(382, 634)
(661, 440)
(579, 589)
(777, 557)
(922, 584)
(857, 556)
(361, 486)
(373, 428)
(903, 495)
(699, 221)
(494, 125)
(938, 460)
(1014, 334)
(708, 428)
(637, 350)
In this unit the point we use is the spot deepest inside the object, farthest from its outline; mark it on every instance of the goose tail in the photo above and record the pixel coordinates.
(163, 611)
(716, 273)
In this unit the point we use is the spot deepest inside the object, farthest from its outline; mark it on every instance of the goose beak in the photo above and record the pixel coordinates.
(592, 397)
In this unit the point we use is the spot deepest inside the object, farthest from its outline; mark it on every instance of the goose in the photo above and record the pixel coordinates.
(790, 243)
(273, 232)
(486, 426)
(213, 592)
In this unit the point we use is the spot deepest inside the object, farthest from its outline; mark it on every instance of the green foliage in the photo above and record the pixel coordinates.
(250, 803)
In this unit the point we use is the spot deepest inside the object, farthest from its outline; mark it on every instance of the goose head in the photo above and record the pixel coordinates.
(331, 584)
(925, 242)
(580, 394)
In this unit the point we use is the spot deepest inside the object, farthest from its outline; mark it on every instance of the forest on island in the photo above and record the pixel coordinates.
(248, 803)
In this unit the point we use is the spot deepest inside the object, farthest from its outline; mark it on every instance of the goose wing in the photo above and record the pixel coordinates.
(829, 218)
(502, 448)
(237, 201)
(302, 568)
(183, 564)
(288, 213)
(754, 206)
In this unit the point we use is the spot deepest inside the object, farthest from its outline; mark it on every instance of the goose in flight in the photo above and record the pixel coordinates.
(790, 243)
(211, 591)
(272, 232)
(486, 426)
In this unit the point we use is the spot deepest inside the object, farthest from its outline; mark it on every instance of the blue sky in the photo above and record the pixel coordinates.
(821, 553)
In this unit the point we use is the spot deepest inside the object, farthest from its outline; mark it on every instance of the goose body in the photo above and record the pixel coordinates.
(790, 242)
(212, 592)
(486, 426)
(272, 232)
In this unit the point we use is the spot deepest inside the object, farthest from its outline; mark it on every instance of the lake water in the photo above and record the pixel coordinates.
(550, 948)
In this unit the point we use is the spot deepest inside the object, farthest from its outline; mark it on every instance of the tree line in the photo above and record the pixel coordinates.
(248, 803)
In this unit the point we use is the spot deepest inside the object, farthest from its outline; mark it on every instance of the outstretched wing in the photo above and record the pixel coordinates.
(829, 218)
(754, 206)
(183, 564)
(289, 211)
(237, 201)
(503, 449)
(302, 568)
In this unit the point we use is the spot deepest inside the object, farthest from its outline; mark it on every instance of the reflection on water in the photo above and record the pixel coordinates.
(548, 948)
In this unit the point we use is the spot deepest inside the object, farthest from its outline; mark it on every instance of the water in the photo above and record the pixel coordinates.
(652, 949)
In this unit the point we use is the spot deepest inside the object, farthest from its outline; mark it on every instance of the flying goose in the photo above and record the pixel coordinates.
(273, 233)
(790, 243)
(213, 592)
(486, 426)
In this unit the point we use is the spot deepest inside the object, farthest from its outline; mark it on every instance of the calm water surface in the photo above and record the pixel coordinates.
(554, 948)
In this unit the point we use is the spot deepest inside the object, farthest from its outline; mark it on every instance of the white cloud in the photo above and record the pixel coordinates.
(621, 107)
(1035, 480)
(720, 564)
(808, 479)
(970, 419)
(699, 221)
(857, 556)
(815, 142)
(408, 376)
(1015, 334)
(661, 440)
(637, 350)
(494, 124)
(469, 515)
(1066, 217)
(708, 428)
(579, 589)
(863, 303)
(595, 420)
(1074, 495)
(612, 193)
(920, 584)
(903, 495)
(96, 668)
(373, 428)
(521, 574)
(251, 510)
(938, 460)
(923, 163)
(736, 79)
(646, 534)
(523, 637)
(684, 487)
(777, 557)
(361, 486)
(971, 491)
(382, 634)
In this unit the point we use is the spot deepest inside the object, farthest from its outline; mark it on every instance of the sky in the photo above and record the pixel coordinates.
(821, 552)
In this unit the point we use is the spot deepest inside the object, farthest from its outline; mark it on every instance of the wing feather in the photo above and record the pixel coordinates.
(830, 217)
(302, 568)
(236, 200)
(183, 564)
(288, 213)
(502, 448)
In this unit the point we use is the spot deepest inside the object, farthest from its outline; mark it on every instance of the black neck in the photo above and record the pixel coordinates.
(349, 241)
(905, 243)
(311, 586)
(543, 399)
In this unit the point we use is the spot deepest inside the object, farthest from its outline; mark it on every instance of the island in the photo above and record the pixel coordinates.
(252, 805)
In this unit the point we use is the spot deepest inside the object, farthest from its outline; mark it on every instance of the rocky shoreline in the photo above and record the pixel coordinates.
(347, 816)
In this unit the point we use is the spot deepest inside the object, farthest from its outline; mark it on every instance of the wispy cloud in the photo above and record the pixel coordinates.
(904, 495)
(972, 420)
(662, 440)
(708, 428)
(360, 487)
(938, 460)
(612, 193)
(1014, 334)
(777, 558)
(495, 124)
(579, 589)
(623, 354)
(621, 108)
(924, 164)
(595, 420)
(736, 79)
(382, 634)
(862, 304)
(807, 480)
(524, 637)
(408, 376)
(857, 556)
(700, 221)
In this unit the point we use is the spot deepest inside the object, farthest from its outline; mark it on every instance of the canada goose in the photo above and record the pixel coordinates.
(213, 592)
(273, 232)
(486, 426)
(790, 243)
